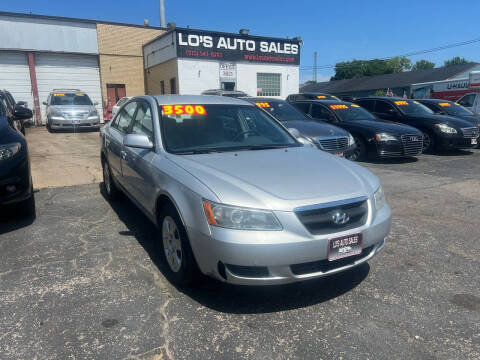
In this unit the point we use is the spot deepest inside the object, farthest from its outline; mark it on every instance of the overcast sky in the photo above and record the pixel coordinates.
(338, 31)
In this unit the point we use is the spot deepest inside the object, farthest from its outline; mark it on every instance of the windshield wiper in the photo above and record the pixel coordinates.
(265, 147)
(197, 151)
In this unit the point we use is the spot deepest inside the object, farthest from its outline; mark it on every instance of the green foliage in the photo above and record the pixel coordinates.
(423, 65)
(380, 93)
(359, 68)
(457, 60)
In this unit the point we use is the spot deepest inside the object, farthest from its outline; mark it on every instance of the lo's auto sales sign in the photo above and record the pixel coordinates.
(227, 47)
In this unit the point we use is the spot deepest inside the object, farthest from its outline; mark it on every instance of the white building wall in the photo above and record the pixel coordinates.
(160, 50)
(195, 76)
(21, 33)
(247, 77)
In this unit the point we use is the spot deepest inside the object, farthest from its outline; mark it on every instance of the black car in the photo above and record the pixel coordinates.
(310, 96)
(450, 108)
(16, 113)
(15, 177)
(439, 131)
(373, 137)
(326, 137)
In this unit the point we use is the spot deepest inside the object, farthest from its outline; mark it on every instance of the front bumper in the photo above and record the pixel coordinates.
(454, 142)
(388, 149)
(61, 123)
(271, 257)
(17, 177)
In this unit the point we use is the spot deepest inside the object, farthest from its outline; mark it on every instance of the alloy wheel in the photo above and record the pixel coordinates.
(172, 244)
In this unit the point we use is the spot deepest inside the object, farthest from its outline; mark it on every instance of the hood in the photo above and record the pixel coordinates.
(278, 179)
(389, 127)
(315, 129)
(443, 119)
(473, 119)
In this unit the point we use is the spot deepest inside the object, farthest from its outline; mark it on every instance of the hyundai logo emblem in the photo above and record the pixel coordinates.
(340, 217)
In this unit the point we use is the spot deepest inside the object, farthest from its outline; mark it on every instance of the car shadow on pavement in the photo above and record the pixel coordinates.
(393, 160)
(236, 299)
(12, 217)
(452, 152)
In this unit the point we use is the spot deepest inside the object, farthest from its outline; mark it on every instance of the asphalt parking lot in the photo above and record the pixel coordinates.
(84, 281)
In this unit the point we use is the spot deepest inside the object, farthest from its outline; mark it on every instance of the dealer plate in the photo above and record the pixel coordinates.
(474, 141)
(340, 154)
(344, 246)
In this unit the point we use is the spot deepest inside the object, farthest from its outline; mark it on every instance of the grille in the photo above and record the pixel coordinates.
(335, 144)
(75, 116)
(470, 133)
(318, 219)
(412, 144)
(325, 265)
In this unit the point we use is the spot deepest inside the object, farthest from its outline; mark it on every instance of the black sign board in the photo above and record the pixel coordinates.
(231, 47)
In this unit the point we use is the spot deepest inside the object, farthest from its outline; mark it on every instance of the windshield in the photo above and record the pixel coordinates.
(351, 112)
(281, 110)
(203, 128)
(452, 108)
(234, 95)
(70, 99)
(412, 108)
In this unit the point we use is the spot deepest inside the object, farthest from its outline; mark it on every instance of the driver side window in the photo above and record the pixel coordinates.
(383, 107)
(124, 118)
(467, 100)
(319, 112)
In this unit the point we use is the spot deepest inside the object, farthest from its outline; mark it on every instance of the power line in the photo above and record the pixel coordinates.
(420, 52)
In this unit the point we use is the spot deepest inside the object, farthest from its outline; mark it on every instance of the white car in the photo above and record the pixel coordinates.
(471, 101)
(119, 104)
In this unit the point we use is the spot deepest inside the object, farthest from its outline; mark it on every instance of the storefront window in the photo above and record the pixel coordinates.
(268, 84)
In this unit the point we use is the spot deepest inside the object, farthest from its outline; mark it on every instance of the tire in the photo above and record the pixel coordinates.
(111, 189)
(49, 127)
(180, 265)
(428, 142)
(360, 152)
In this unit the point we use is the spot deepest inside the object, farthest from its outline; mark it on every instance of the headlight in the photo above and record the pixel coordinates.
(9, 150)
(93, 113)
(55, 113)
(385, 137)
(233, 217)
(351, 140)
(379, 198)
(307, 141)
(445, 128)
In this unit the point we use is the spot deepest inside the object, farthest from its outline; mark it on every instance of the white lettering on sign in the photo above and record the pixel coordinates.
(233, 43)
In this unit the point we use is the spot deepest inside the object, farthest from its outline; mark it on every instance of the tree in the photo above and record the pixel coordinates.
(423, 65)
(457, 60)
(359, 68)
(380, 93)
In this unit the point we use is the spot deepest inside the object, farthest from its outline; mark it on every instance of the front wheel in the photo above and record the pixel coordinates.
(428, 142)
(110, 187)
(360, 152)
(177, 254)
(49, 126)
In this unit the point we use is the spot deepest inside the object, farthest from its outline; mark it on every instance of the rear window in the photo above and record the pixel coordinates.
(70, 99)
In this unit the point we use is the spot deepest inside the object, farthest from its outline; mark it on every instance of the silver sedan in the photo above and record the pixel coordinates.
(235, 196)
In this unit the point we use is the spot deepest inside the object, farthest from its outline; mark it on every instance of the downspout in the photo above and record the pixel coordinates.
(33, 80)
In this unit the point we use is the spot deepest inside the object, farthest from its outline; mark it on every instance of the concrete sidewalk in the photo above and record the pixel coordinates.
(64, 158)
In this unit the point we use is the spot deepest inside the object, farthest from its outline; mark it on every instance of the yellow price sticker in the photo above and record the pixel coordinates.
(444, 104)
(58, 94)
(338, 106)
(402, 103)
(321, 97)
(355, 105)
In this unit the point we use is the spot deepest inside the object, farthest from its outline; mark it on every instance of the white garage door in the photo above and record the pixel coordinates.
(66, 71)
(15, 76)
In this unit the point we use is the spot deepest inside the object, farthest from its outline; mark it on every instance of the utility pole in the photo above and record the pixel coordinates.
(315, 66)
(162, 14)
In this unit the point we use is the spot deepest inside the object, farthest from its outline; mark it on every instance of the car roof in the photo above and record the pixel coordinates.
(67, 91)
(324, 101)
(382, 98)
(261, 98)
(199, 99)
(434, 100)
(224, 91)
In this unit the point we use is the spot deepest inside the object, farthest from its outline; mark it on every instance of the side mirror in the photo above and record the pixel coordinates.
(294, 132)
(44, 103)
(95, 103)
(21, 113)
(138, 141)
(22, 103)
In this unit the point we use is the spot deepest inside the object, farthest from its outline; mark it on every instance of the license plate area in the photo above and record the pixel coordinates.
(474, 141)
(340, 154)
(345, 246)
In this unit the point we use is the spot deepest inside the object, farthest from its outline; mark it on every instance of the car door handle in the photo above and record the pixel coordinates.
(107, 142)
(123, 154)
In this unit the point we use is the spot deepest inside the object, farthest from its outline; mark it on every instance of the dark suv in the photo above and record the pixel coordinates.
(310, 96)
(439, 131)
